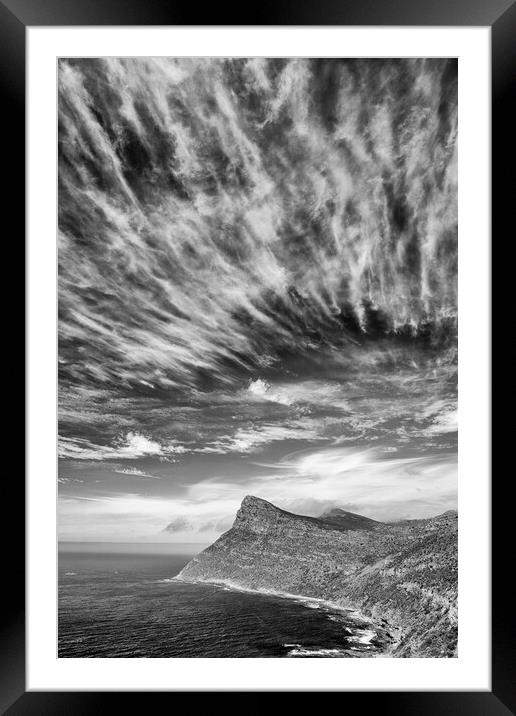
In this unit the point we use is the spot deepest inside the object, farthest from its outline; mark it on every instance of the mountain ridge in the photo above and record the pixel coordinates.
(335, 518)
(403, 574)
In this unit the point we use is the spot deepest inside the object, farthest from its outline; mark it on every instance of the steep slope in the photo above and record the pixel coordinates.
(403, 573)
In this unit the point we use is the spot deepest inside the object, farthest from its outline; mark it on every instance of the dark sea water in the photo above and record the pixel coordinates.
(128, 605)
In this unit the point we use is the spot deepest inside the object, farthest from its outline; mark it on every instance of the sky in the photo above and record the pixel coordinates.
(257, 291)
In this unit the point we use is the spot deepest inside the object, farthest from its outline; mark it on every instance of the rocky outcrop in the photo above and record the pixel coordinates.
(402, 575)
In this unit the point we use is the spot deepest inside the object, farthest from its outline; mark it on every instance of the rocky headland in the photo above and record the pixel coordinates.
(402, 576)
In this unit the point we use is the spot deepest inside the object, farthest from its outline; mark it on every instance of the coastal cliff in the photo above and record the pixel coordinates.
(402, 575)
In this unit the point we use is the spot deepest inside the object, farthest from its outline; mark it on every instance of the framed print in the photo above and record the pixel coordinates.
(258, 358)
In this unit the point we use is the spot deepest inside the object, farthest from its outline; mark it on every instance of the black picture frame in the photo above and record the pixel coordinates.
(500, 15)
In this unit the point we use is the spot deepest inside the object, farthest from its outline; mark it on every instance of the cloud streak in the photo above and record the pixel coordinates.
(370, 482)
(257, 289)
(320, 216)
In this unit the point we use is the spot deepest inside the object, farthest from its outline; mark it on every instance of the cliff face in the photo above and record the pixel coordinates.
(403, 574)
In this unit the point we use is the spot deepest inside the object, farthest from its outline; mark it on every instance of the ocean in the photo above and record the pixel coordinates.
(128, 605)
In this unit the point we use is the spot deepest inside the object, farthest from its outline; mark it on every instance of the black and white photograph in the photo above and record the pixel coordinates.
(257, 359)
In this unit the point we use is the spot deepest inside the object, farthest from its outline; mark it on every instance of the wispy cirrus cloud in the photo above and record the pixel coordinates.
(246, 440)
(255, 255)
(211, 214)
(375, 408)
(374, 482)
(135, 446)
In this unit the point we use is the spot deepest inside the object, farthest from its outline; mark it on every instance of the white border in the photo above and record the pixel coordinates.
(471, 670)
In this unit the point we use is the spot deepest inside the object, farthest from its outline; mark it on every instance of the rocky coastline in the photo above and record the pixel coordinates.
(401, 578)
